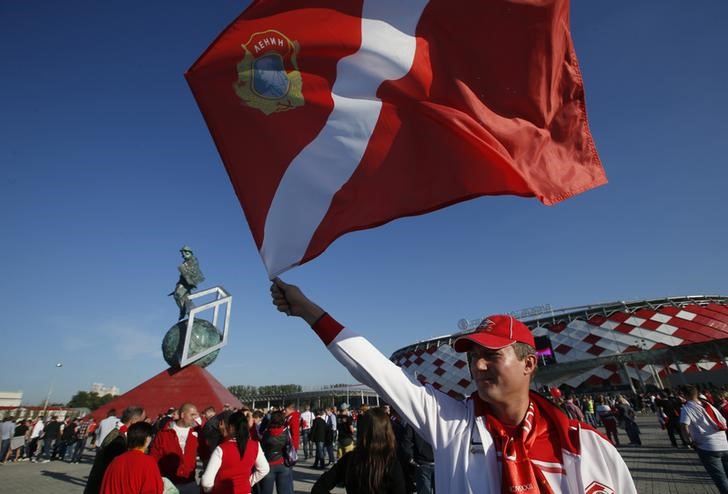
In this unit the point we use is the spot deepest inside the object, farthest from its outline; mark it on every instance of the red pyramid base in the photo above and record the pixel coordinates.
(171, 388)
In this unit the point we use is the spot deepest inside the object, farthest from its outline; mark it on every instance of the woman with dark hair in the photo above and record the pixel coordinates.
(231, 463)
(274, 442)
(134, 472)
(372, 468)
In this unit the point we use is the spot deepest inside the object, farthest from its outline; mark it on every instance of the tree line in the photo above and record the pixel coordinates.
(247, 391)
(89, 399)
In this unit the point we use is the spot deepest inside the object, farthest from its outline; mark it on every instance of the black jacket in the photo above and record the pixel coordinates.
(392, 483)
(52, 430)
(103, 458)
(417, 448)
(318, 431)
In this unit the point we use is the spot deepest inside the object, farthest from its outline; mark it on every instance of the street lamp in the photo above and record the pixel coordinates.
(50, 389)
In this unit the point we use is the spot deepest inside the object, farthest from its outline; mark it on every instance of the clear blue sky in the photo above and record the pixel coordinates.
(108, 168)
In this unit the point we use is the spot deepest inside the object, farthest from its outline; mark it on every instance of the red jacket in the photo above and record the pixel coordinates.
(234, 473)
(293, 421)
(177, 466)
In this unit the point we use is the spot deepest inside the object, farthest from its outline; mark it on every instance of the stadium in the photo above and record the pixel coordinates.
(643, 344)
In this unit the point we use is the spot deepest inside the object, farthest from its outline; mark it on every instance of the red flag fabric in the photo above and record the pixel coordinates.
(338, 115)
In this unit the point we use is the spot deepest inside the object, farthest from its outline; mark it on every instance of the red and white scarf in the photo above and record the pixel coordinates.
(519, 474)
(715, 417)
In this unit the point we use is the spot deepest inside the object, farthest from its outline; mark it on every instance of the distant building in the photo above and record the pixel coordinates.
(102, 390)
(33, 412)
(10, 398)
(317, 397)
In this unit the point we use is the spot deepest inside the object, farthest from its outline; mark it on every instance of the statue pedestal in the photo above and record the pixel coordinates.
(171, 388)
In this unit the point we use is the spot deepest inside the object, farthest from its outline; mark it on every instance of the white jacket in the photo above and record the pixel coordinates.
(465, 457)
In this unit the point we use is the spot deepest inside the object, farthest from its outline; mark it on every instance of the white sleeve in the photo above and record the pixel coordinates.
(425, 408)
(208, 478)
(261, 468)
(684, 418)
(601, 463)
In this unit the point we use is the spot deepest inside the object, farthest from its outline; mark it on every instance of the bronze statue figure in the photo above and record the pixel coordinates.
(190, 276)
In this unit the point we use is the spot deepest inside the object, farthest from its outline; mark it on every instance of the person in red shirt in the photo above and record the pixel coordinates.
(175, 449)
(293, 422)
(231, 463)
(134, 472)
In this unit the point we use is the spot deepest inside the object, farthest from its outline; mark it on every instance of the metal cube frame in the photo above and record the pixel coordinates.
(222, 298)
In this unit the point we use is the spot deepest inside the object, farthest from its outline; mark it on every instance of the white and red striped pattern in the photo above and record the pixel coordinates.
(408, 107)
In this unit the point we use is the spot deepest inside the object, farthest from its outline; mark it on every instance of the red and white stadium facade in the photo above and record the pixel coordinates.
(591, 333)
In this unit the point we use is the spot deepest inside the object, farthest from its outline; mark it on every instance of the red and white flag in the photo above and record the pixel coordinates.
(338, 115)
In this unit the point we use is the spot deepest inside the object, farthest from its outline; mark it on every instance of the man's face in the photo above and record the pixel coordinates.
(498, 374)
(187, 417)
(186, 254)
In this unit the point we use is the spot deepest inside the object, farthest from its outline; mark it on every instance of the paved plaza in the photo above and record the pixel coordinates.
(656, 467)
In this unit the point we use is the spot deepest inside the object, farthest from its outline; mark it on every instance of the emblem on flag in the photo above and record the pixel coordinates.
(268, 76)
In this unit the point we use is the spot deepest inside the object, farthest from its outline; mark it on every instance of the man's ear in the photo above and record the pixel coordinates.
(531, 364)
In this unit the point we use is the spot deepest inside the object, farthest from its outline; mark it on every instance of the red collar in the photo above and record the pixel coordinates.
(546, 413)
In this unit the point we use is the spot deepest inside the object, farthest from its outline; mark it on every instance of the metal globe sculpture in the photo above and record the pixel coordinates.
(204, 335)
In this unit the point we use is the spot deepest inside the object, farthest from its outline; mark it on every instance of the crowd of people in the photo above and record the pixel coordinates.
(239, 450)
(250, 450)
(233, 451)
(365, 450)
(505, 437)
(37, 441)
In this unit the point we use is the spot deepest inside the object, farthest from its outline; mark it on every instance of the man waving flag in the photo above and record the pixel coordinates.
(338, 115)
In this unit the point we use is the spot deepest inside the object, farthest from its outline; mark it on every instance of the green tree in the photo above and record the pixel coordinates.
(242, 391)
(246, 391)
(90, 400)
(279, 389)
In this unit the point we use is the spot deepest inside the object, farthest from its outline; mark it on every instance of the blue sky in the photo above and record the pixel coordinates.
(108, 168)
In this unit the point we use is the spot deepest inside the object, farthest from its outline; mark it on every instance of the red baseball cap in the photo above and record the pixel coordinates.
(496, 332)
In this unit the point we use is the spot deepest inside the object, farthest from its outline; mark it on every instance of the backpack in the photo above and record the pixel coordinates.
(290, 455)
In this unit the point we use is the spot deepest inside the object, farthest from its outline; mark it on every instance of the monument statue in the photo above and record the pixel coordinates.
(189, 277)
(193, 339)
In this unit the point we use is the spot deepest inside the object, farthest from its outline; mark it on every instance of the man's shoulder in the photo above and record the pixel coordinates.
(165, 432)
(591, 437)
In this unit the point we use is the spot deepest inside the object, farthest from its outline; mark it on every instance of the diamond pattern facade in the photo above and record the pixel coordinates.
(589, 332)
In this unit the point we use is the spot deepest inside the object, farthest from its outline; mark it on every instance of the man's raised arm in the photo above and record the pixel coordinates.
(419, 405)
